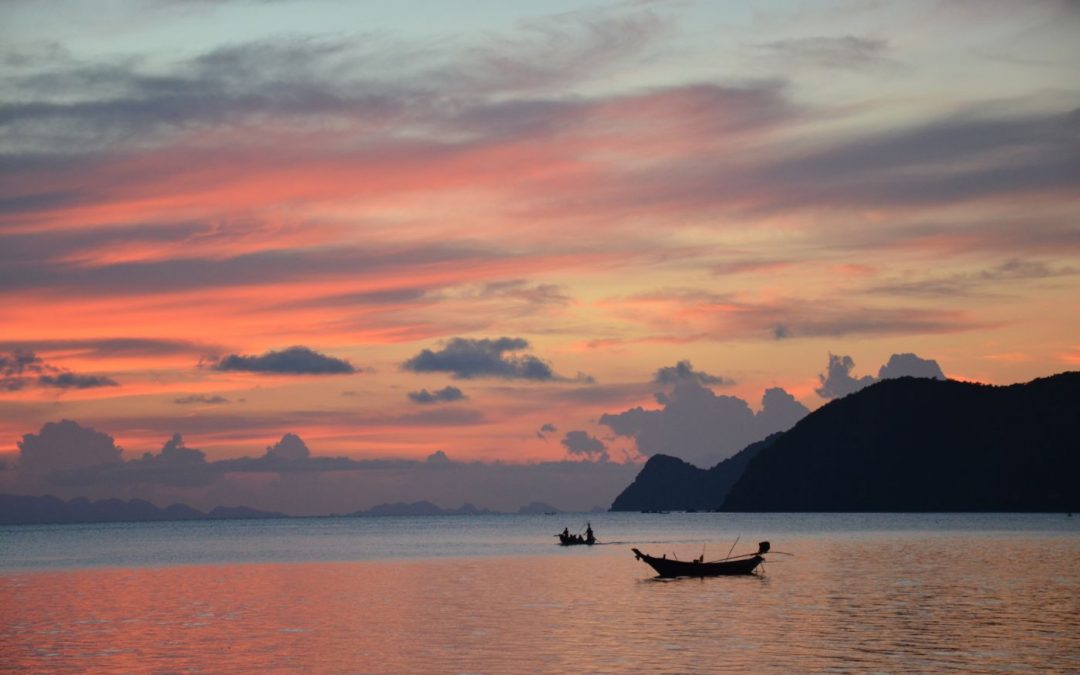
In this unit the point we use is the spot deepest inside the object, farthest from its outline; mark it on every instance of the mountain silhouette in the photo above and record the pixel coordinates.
(905, 444)
(668, 483)
(926, 445)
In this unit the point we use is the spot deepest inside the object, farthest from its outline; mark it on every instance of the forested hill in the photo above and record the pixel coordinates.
(926, 445)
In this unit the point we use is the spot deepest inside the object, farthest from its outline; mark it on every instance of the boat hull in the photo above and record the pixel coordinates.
(574, 540)
(669, 568)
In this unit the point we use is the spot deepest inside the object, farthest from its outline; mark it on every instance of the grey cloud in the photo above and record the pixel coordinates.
(442, 417)
(969, 282)
(297, 360)
(545, 430)
(200, 398)
(109, 347)
(73, 381)
(98, 104)
(837, 380)
(65, 445)
(20, 369)
(701, 427)
(274, 266)
(910, 365)
(846, 52)
(468, 358)
(684, 370)
(581, 443)
(445, 395)
(290, 447)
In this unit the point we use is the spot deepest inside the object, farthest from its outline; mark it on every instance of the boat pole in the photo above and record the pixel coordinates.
(732, 547)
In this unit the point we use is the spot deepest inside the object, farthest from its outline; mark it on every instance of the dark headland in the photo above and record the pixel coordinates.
(904, 444)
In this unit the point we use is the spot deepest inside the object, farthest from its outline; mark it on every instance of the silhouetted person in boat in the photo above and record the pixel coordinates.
(566, 532)
(589, 538)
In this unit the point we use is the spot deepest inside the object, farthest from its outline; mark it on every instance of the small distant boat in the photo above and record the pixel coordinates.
(669, 568)
(567, 539)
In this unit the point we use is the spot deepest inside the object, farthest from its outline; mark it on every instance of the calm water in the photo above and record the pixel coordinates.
(885, 593)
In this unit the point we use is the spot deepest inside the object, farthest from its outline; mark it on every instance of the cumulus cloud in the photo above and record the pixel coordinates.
(290, 447)
(910, 365)
(683, 370)
(66, 445)
(447, 394)
(837, 380)
(297, 360)
(468, 358)
(701, 427)
(20, 369)
(200, 398)
(582, 444)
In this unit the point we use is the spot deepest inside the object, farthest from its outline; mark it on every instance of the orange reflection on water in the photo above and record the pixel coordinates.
(892, 604)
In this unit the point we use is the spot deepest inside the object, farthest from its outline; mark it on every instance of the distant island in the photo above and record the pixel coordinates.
(47, 509)
(33, 510)
(903, 444)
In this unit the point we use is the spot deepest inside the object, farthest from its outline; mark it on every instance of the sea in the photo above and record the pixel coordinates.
(888, 593)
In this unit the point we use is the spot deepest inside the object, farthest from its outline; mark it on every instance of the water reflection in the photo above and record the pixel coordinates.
(979, 603)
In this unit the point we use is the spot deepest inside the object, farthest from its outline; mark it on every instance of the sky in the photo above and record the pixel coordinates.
(511, 237)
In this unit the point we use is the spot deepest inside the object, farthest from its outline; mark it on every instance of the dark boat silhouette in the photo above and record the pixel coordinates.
(567, 539)
(669, 568)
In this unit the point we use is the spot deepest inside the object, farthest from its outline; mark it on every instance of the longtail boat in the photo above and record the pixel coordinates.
(669, 568)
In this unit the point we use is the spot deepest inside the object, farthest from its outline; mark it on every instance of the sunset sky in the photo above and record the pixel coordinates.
(397, 228)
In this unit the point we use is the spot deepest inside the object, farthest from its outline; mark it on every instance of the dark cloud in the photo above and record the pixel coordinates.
(683, 370)
(201, 398)
(445, 395)
(468, 358)
(701, 427)
(20, 369)
(297, 360)
(837, 380)
(846, 52)
(581, 443)
(545, 430)
(66, 445)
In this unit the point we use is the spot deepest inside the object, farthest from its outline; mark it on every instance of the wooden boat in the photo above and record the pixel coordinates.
(575, 540)
(669, 568)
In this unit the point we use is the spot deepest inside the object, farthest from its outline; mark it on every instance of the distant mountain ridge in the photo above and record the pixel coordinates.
(47, 509)
(902, 444)
(421, 508)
